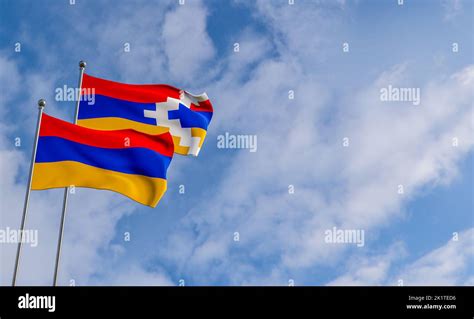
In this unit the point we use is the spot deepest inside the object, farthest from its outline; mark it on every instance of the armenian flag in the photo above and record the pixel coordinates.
(124, 161)
(148, 108)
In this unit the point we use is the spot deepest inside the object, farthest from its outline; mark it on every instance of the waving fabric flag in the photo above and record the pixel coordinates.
(149, 108)
(124, 161)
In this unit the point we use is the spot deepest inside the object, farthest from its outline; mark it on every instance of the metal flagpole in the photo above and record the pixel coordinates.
(41, 105)
(82, 66)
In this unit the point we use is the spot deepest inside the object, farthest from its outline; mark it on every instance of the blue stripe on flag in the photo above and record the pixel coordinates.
(140, 161)
(105, 106)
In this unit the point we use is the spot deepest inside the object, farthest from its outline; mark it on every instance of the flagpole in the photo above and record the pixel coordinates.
(82, 66)
(41, 105)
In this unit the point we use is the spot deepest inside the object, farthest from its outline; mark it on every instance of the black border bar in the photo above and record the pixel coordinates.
(86, 301)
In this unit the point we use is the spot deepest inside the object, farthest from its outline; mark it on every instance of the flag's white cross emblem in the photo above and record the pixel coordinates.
(161, 117)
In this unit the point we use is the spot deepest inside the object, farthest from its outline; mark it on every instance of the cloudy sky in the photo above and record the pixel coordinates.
(306, 79)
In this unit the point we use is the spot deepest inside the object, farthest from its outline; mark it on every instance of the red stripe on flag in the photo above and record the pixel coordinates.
(161, 143)
(142, 93)
(204, 106)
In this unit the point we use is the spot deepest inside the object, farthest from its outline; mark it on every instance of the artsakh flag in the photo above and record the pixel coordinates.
(124, 161)
(148, 108)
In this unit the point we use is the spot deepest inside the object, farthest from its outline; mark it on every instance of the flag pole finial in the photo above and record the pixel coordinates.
(41, 103)
(82, 64)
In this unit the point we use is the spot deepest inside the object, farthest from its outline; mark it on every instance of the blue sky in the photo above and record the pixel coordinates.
(283, 47)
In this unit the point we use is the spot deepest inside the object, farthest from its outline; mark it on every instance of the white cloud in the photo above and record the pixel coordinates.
(452, 8)
(185, 41)
(135, 275)
(129, 35)
(370, 270)
(355, 187)
(444, 266)
(304, 31)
